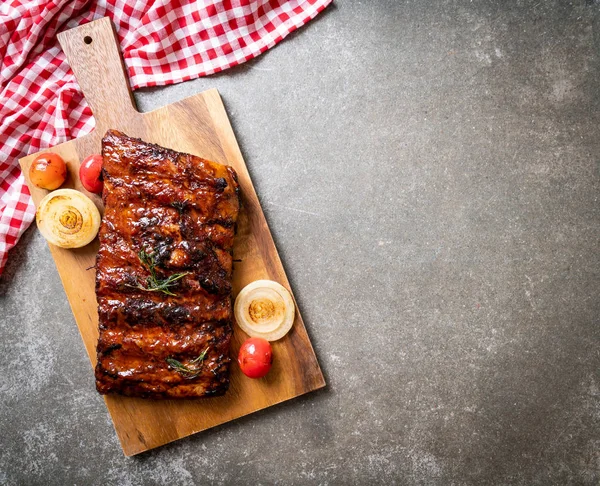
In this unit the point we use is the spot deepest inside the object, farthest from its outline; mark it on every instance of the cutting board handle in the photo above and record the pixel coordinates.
(93, 53)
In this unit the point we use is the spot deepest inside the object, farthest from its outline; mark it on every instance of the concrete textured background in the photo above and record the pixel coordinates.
(430, 172)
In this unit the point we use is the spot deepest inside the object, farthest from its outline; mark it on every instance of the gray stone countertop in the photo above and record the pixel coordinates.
(430, 172)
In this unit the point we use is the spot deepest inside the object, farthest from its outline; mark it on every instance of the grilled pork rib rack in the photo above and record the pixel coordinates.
(163, 271)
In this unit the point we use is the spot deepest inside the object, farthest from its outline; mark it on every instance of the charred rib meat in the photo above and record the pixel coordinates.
(163, 271)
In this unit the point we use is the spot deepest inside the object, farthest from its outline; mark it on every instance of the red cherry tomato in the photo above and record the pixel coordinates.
(48, 171)
(90, 173)
(256, 357)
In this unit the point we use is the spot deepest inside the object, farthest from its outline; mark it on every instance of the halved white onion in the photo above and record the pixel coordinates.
(67, 218)
(265, 309)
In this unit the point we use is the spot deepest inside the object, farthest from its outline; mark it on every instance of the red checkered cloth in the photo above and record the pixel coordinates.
(162, 41)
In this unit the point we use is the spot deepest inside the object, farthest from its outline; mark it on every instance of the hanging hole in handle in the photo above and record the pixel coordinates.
(87, 39)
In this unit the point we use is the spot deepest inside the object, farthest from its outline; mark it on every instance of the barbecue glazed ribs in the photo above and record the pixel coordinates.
(163, 271)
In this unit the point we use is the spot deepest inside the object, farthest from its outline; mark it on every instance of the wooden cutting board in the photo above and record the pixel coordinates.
(197, 125)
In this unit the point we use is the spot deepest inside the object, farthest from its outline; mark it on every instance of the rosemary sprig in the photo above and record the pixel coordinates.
(154, 283)
(186, 370)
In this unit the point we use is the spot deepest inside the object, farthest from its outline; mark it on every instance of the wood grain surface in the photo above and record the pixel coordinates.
(196, 125)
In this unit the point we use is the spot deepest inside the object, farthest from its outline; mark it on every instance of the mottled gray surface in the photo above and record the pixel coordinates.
(430, 172)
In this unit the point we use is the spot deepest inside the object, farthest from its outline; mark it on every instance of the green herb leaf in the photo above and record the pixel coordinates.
(154, 283)
(186, 370)
(200, 358)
